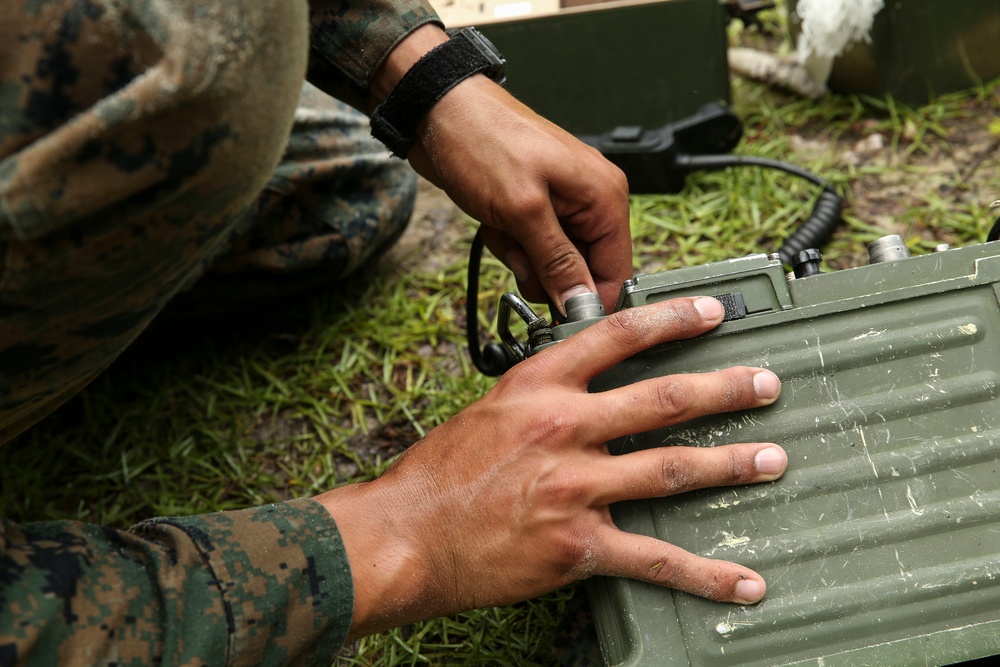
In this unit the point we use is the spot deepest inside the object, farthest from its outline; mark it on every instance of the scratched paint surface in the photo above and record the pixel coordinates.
(880, 543)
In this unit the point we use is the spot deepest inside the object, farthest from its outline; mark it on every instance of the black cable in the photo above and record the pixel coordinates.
(818, 227)
(494, 359)
(472, 302)
(708, 162)
(994, 232)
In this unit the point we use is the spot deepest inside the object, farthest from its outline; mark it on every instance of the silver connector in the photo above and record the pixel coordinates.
(584, 307)
(887, 249)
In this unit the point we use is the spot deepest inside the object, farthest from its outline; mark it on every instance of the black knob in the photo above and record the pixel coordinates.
(806, 263)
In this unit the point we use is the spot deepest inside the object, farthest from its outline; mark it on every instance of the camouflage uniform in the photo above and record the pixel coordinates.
(138, 147)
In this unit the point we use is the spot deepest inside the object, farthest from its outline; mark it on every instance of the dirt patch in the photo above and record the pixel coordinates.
(931, 189)
(434, 238)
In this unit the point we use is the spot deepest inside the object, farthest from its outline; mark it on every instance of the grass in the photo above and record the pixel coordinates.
(326, 391)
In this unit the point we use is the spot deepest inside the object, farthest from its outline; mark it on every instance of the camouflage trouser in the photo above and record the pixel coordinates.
(136, 148)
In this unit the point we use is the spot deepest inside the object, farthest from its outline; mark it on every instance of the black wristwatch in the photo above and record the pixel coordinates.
(467, 52)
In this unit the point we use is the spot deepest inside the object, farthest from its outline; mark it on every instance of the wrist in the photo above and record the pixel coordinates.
(465, 54)
(392, 585)
(399, 61)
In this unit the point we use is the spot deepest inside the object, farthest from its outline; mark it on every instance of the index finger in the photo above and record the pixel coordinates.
(628, 332)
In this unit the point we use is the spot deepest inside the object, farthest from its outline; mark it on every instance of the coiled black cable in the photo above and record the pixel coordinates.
(817, 228)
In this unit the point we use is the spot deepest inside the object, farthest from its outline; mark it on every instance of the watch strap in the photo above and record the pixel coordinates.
(394, 122)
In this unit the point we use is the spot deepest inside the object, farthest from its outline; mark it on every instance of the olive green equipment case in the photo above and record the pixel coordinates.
(595, 67)
(881, 543)
(919, 49)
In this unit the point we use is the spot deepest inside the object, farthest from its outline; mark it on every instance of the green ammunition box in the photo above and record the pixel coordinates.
(595, 67)
(921, 48)
(881, 543)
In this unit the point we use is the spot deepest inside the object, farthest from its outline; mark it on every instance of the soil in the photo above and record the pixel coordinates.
(433, 238)
(928, 189)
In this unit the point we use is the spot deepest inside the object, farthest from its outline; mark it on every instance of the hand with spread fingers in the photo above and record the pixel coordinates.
(510, 498)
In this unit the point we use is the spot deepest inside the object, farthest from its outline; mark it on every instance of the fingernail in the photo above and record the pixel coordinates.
(749, 590)
(770, 461)
(766, 384)
(709, 309)
(574, 291)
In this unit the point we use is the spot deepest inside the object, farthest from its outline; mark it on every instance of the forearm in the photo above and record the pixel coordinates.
(407, 52)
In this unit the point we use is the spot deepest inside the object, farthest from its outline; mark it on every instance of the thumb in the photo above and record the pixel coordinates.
(558, 265)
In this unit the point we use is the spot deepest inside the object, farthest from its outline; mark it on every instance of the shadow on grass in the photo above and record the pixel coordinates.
(137, 442)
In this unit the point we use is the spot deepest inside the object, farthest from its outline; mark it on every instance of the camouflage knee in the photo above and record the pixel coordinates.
(337, 200)
(133, 137)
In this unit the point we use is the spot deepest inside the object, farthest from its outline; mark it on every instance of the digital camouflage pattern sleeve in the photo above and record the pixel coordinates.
(351, 38)
(263, 586)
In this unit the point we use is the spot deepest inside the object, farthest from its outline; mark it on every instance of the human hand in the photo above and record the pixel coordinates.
(510, 498)
(552, 208)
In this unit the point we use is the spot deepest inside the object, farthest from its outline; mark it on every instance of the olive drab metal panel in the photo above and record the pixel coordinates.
(880, 544)
(596, 67)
